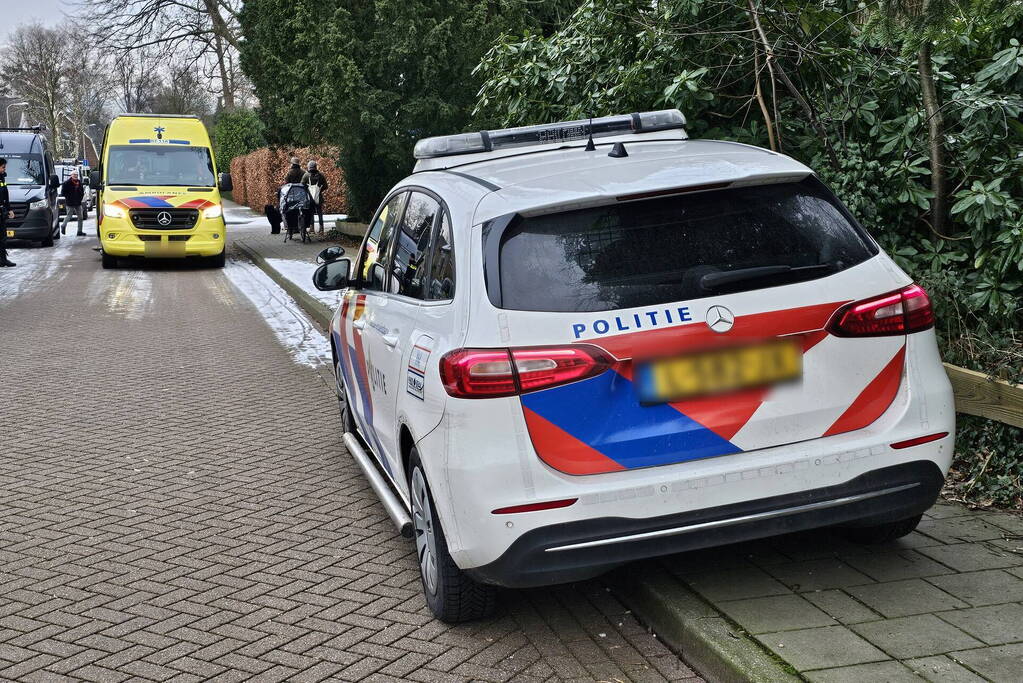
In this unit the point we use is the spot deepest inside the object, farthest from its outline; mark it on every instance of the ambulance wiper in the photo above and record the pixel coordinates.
(730, 277)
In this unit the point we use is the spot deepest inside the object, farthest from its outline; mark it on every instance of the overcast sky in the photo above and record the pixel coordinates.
(14, 12)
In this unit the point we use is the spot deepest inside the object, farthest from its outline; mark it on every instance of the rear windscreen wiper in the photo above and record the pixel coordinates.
(729, 277)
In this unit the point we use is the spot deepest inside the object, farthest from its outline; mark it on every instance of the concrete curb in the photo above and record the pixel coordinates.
(317, 310)
(717, 649)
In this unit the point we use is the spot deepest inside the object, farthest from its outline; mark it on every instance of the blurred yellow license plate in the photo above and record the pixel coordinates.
(719, 371)
(10, 233)
(165, 249)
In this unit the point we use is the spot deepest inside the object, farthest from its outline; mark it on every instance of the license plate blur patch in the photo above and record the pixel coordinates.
(163, 249)
(719, 371)
(10, 233)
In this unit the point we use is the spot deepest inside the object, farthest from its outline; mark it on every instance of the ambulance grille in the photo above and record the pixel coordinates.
(149, 219)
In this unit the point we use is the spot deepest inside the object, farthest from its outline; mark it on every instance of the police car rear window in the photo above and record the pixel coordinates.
(658, 251)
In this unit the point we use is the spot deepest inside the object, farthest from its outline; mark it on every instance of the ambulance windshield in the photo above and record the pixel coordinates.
(160, 165)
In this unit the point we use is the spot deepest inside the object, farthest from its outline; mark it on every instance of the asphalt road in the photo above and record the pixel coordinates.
(177, 504)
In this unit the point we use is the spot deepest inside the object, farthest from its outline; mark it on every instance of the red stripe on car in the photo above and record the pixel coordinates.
(697, 334)
(564, 452)
(874, 399)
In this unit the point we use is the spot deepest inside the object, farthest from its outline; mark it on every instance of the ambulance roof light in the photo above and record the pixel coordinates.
(553, 133)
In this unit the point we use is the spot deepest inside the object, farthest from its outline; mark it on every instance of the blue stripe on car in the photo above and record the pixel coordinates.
(604, 413)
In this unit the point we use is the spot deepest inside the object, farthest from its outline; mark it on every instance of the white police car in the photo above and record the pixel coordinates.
(554, 356)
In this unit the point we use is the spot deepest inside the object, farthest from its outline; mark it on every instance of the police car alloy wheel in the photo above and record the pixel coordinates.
(347, 423)
(450, 593)
(426, 541)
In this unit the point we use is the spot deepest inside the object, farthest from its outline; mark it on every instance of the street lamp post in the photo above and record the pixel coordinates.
(13, 104)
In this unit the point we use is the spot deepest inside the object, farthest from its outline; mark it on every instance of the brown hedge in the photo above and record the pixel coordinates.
(257, 175)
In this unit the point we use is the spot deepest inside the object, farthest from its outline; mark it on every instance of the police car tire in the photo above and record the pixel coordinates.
(109, 261)
(347, 421)
(457, 597)
(882, 533)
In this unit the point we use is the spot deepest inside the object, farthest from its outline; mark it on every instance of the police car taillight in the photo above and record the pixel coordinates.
(907, 310)
(491, 373)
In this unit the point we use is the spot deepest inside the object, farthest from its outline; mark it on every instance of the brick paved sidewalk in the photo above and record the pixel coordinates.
(943, 604)
(177, 505)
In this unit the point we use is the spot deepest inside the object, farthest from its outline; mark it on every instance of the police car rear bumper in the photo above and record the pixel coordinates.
(587, 548)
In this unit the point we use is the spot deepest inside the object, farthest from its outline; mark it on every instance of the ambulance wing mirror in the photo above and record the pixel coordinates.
(333, 275)
(330, 254)
(94, 179)
(224, 182)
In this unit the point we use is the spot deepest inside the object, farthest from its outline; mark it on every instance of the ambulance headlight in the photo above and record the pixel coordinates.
(111, 211)
(215, 211)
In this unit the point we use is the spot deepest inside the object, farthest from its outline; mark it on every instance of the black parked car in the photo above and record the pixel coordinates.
(32, 184)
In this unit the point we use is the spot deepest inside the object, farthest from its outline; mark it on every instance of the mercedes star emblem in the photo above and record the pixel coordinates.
(720, 319)
(164, 218)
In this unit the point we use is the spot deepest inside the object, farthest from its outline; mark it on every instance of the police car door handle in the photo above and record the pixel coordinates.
(359, 324)
(390, 339)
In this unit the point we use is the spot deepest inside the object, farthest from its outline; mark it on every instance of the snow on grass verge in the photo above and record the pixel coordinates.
(293, 329)
(301, 273)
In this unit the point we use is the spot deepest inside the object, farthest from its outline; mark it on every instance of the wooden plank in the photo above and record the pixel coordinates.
(977, 394)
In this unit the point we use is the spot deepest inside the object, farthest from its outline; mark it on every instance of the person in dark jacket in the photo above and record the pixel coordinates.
(74, 193)
(317, 184)
(294, 173)
(5, 213)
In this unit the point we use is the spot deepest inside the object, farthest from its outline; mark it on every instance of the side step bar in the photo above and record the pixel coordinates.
(395, 510)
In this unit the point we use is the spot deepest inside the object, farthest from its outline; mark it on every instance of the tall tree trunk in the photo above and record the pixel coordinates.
(935, 140)
(220, 26)
(226, 83)
(759, 94)
(775, 65)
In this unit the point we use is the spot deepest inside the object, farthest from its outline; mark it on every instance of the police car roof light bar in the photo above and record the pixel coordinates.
(553, 133)
(139, 115)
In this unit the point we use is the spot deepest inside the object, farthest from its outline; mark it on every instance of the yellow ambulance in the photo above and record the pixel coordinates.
(159, 191)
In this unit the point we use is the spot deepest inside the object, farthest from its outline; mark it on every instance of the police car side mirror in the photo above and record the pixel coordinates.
(330, 254)
(224, 182)
(333, 275)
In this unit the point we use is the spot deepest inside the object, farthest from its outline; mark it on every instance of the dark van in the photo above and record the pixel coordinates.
(32, 184)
